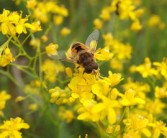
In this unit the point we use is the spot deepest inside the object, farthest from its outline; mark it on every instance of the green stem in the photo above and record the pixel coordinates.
(10, 77)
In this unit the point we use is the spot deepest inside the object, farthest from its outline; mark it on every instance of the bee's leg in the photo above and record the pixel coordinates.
(77, 67)
(96, 73)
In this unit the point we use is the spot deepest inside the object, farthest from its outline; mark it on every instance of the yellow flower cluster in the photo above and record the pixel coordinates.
(97, 99)
(149, 69)
(125, 9)
(121, 52)
(61, 96)
(11, 128)
(12, 23)
(3, 98)
(155, 21)
(43, 10)
(51, 69)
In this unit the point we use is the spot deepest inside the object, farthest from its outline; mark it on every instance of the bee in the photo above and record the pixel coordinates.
(83, 54)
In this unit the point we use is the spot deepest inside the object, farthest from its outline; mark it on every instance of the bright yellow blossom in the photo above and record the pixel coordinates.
(159, 128)
(51, 49)
(127, 9)
(81, 86)
(6, 57)
(51, 70)
(162, 67)
(105, 14)
(11, 128)
(141, 88)
(12, 23)
(154, 107)
(44, 9)
(161, 92)
(130, 98)
(136, 26)
(3, 98)
(58, 19)
(98, 23)
(120, 51)
(61, 96)
(116, 64)
(145, 69)
(137, 124)
(31, 4)
(65, 31)
(103, 54)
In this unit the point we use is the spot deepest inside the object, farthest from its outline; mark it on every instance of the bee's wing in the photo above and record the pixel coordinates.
(61, 56)
(92, 39)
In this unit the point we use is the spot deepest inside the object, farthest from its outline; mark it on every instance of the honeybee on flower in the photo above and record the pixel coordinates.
(83, 54)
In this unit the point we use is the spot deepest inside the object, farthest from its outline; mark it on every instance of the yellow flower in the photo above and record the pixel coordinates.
(113, 78)
(31, 4)
(162, 67)
(130, 98)
(127, 9)
(19, 99)
(34, 27)
(161, 92)
(58, 19)
(141, 88)
(105, 14)
(98, 23)
(103, 54)
(11, 128)
(44, 38)
(6, 57)
(61, 96)
(145, 69)
(116, 64)
(66, 115)
(11, 23)
(136, 26)
(120, 51)
(35, 43)
(51, 69)
(137, 124)
(45, 9)
(33, 107)
(155, 21)
(97, 111)
(3, 98)
(159, 128)
(154, 107)
(51, 49)
(65, 31)
(81, 85)
(33, 87)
